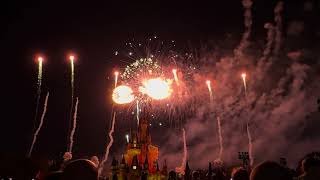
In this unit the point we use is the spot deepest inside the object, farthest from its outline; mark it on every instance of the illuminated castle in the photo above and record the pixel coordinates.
(140, 160)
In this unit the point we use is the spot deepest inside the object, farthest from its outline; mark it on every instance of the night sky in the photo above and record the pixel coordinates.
(94, 31)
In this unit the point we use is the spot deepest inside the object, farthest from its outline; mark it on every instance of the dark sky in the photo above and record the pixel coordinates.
(94, 30)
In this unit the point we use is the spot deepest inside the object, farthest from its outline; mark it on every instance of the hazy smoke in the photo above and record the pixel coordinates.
(295, 28)
(270, 40)
(95, 160)
(294, 55)
(67, 156)
(278, 19)
(220, 137)
(244, 43)
(308, 6)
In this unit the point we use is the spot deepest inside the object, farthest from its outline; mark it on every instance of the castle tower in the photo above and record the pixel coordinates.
(210, 172)
(123, 170)
(141, 146)
(164, 170)
(145, 169)
(113, 169)
(187, 172)
(135, 169)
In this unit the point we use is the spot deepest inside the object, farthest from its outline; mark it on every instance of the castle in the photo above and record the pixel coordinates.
(140, 160)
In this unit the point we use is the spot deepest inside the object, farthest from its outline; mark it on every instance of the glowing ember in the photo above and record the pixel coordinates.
(156, 88)
(122, 95)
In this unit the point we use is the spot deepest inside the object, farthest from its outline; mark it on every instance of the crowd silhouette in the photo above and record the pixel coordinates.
(83, 169)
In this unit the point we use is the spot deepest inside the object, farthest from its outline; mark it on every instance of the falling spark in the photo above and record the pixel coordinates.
(40, 125)
(116, 78)
(220, 138)
(250, 145)
(243, 75)
(122, 95)
(208, 82)
(74, 126)
(174, 71)
(40, 61)
(138, 113)
(182, 168)
(109, 145)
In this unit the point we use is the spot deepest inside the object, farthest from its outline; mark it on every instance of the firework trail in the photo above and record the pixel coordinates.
(182, 168)
(40, 125)
(244, 75)
(220, 137)
(250, 144)
(248, 23)
(210, 90)
(138, 112)
(74, 126)
(40, 61)
(109, 145)
(278, 19)
(72, 84)
(116, 74)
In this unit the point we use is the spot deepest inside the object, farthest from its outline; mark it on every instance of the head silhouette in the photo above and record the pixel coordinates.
(269, 171)
(240, 174)
(81, 169)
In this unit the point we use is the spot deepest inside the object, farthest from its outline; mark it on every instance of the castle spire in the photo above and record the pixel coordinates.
(146, 163)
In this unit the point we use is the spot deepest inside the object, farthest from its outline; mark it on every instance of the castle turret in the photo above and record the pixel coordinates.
(210, 172)
(145, 169)
(123, 173)
(187, 172)
(135, 169)
(164, 170)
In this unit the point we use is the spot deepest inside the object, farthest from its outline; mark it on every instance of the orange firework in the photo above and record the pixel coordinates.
(122, 95)
(156, 88)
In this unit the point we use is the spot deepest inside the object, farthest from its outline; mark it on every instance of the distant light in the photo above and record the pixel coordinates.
(150, 124)
(116, 53)
(130, 53)
(160, 124)
(134, 167)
